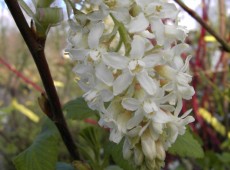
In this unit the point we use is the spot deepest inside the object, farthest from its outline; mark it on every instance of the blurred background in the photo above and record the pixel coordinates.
(20, 86)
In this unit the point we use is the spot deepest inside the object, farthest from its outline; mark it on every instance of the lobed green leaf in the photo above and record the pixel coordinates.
(115, 150)
(78, 109)
(43, 153)
(187, 146)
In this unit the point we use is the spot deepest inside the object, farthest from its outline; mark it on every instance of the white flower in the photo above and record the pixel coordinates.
(178, 84)
(132, 67)
(167, 34)
(148, 107)
(96, 92)
(144, 82)
(115, 118)
(158, 9)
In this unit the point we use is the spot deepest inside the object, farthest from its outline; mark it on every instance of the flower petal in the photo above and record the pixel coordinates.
(115, 60)
(95, 34)
(127, 152)
(158, 28)
(186, 64)
(150, 106)
(135, 120)
(115, 135)
(156, 128)
(123, 3)
(97, 15)
(82, 68)
(130, 104)
(134, 131)
(161, 117)
(178, 107)
(173, 133)
(104, 74)
(180, 48)
(138, 156)
(138, 24)
(122, 15)
(146, 82)
(187, 120)
(152, 60)
(143, 3)
(122, 83)
(137, 47)
(77, 54)
(186, 113)
(169, 108)
(166, 71)
(106, 95)
(160, 151)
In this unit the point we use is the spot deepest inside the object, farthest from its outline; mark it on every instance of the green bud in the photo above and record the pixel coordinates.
(44, 3)
(47, 17)
(135, 10)
(50, 16)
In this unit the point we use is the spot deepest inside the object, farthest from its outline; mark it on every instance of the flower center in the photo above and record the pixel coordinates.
(110, 3)
(136, 66)
(158, 8)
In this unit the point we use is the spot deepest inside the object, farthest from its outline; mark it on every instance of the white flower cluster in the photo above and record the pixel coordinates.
(128, 55)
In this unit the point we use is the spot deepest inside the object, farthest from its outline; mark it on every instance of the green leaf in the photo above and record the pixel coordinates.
(115, 150)
(224, 157)
(90, 147)
(78, 109)
(26, 8)
(64, 166)
(42, 154)
(187, 146)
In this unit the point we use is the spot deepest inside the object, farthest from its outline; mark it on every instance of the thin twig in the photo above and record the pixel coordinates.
(36, 46)
(193, 14)
(20, 75)
(222, 18)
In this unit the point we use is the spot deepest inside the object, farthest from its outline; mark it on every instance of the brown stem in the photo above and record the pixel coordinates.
(193, 14)
(222, 18)
(36, 46)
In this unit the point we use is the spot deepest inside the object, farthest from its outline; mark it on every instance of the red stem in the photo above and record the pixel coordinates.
(20, 75)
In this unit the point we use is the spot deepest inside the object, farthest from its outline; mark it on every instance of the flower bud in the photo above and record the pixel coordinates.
(165, 71)
(138, 155)
(148, 145)
(44, 3)
(127, 153)
(160, 151)
(135, 10)
(51, 16)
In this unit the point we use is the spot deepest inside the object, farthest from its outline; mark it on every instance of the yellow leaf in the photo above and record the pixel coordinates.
(25, 111)
(209, 38)
(207, 116)
(58, 84)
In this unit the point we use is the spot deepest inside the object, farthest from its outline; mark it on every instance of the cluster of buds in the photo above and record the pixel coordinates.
(129, 66)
